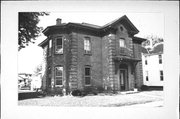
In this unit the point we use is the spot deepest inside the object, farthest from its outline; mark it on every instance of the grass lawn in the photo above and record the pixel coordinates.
(102, 100)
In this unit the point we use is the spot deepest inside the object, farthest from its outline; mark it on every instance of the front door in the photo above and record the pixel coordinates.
(122, 77)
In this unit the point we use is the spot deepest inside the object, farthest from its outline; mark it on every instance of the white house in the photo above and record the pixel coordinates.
(152, 62)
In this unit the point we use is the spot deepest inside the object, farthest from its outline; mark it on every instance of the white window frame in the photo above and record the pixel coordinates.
(59, 50)
(160, 59)
(161, 75)
(147, 76)
(146, 61)
(87, 76)
(87, 44)
(56, 77)
(122, 43)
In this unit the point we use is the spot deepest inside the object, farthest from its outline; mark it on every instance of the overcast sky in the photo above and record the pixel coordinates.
(146, 23)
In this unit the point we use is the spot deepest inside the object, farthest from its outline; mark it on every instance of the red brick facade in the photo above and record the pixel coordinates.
(107, 65)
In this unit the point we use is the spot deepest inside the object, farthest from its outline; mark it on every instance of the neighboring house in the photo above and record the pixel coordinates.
(29, 81)
(36, 82)
(24, 80)
(153, 66)
(82, 55)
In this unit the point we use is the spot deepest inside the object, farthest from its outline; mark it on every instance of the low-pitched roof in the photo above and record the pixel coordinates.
(124, 19)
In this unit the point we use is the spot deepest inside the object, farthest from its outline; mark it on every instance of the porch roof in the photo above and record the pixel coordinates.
(126, 59)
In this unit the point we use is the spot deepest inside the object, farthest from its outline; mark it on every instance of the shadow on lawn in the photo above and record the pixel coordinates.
(30, 95)
(126, 104)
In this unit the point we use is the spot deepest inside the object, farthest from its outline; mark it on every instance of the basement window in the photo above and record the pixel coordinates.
(58, 76)
(59, 45)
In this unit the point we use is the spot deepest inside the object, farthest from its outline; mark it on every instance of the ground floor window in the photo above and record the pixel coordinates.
(147, 78)
(161, 75)
(58, 75)
(87, 75)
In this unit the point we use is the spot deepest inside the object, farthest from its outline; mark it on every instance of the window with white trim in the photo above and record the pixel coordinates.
(58, 76)
(59, 45)
(50, 47)
(161, 75)
(160, 59)
(147, 78)
(87, 45)
(122, 43)
(87, 75)
(146, 62)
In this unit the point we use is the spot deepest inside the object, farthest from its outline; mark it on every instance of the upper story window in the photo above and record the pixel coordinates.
(50, 47)
(146, 62)
(58, 76)
(59, 45)
(87, 75)
(160, 59)
(122, 43)
(87, 45)
(161, 75)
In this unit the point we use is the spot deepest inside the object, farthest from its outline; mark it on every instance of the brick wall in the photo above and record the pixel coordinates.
(138, 68)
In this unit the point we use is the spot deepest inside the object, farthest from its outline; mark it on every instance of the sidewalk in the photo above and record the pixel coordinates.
(150, 104)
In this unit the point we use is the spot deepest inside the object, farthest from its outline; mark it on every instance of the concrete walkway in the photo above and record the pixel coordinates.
(150, 104)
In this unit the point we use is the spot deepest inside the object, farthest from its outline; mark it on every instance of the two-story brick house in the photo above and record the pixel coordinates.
(80, 55)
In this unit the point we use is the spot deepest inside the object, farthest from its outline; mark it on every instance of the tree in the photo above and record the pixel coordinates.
(38, 69)
(28, 29)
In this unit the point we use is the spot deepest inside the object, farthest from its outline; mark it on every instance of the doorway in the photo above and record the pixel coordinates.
(122, 79)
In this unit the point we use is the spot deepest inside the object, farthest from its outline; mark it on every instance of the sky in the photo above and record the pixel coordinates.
(146, 23)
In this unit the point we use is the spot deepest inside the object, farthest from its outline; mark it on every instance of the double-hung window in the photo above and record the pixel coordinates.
(58, 76)
(147, 77)
(122, 43)
(59, 45)
(50, 47)
(161, 75)
(160, 59)
(87, 75)
(146, 62)
(87, 45)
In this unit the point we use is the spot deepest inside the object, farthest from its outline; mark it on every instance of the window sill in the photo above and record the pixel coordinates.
(88, 85)
(58, 86)
(89, 53)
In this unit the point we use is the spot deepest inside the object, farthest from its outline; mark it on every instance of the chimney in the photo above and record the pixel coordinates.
(58, 21)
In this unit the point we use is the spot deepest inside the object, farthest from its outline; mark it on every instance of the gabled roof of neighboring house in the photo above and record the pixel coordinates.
(144, 50)
(158, 49)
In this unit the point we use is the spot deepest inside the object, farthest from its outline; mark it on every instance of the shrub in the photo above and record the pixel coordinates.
(76, 93)
(144, 87)
(100, 89)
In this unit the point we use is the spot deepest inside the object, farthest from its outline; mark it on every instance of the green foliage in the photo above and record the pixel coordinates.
(28, 29)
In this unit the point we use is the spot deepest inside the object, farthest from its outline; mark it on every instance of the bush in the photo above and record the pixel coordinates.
(144, 87)
(76, 93)
(100, 89)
